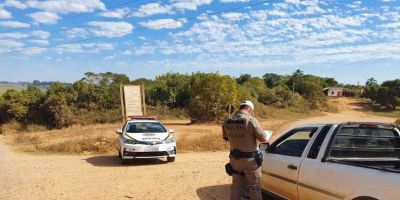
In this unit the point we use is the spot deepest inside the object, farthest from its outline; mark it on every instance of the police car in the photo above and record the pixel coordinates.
(146, 138)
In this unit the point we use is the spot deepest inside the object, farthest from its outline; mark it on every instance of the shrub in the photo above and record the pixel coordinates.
(210, 95)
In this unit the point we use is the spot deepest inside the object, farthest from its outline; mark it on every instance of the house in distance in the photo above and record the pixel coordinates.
(338, 92)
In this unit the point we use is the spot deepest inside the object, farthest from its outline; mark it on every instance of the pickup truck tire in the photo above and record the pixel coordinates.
(171, 159)
(365, 198)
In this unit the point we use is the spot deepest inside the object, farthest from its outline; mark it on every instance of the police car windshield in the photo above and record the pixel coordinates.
(145, 127)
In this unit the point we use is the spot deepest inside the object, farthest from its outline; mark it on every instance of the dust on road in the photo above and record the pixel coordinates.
(192, 176)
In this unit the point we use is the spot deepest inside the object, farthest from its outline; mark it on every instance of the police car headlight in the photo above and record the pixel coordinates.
(169, 140)
(128, 141)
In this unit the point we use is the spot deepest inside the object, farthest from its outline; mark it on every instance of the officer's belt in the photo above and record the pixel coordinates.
(237, 154)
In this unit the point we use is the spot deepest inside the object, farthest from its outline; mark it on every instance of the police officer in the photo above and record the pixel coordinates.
(242, 130)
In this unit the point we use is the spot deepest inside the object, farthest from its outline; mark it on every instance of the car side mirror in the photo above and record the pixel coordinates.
(264, 146)
(119, 131)
(171, 131)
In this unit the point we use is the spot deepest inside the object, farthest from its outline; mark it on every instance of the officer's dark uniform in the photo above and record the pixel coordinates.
(242, 132)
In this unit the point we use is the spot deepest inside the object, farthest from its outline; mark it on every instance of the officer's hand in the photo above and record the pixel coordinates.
(262, 140)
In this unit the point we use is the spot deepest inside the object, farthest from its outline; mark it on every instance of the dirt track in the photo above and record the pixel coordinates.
(192, 176)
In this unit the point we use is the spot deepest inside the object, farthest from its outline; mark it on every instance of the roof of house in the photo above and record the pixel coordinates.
(340, 88)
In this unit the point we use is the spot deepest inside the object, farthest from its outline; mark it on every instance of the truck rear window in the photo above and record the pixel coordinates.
(366, 143)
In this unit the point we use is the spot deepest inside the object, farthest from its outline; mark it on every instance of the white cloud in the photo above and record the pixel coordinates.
(67, 6)
(40, 42)
(15, 4)
(44, 17)
(233, 1)
(109, 57)
(15, 35)
(110, 29)
(4, 14)
(19, 35)
(189, 4)
(146, 49)
(118, 13)
(10, 43)
(84, 48)
(40, 34)
(151, 9)
(77, 33)
(34, 51)
(235, 16)
(127, 52)
(14, 24)
(162, 24)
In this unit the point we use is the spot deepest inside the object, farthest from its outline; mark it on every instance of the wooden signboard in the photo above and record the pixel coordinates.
(132, 101)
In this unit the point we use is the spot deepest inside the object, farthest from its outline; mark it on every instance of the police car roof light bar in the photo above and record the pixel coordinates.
(147, 117)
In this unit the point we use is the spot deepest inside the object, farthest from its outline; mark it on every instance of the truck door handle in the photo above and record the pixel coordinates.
(291, 166)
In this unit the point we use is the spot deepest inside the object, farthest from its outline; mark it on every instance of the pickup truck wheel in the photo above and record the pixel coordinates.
(171, 159)
(365, 198)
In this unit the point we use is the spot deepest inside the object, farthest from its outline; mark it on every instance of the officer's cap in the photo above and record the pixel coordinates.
(247, 103)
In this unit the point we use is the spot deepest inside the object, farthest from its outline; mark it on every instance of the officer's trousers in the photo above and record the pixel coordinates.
(251, 179)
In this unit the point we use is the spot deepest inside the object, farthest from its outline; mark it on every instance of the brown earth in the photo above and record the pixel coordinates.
(191, 176)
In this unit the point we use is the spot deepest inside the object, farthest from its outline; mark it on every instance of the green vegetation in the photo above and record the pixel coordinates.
(199, 96)
(386, 95)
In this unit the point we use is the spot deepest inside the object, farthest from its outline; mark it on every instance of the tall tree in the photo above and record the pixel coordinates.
(371, 81)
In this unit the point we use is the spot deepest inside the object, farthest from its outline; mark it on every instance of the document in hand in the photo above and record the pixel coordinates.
(268, 133)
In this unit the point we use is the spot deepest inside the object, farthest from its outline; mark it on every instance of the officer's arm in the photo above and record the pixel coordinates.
(258, 131)
(224, 135)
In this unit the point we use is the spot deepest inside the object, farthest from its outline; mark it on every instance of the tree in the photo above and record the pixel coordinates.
(178, 86)
(371, 81)
(57, 110)
(329, 82)
(15, 104)
(243, 78)
(35, 97)
(272, 80)
(36, 83)
(210, 95)
(295, 78)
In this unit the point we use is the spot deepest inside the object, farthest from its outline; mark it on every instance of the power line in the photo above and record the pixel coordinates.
(140, 29)
(77, 15)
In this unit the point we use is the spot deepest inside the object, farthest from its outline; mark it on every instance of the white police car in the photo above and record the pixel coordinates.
(143, 138)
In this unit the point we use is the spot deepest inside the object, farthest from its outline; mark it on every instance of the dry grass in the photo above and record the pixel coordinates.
(100, 138)
(99, 144)
(398, 122)
(74, 140)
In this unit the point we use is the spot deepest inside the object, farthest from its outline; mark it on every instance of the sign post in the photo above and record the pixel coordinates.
(132, 101)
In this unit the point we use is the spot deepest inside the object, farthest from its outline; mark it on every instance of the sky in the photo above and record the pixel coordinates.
(50, 40)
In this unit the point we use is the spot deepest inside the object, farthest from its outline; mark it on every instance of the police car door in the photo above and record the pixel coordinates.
(282, 160)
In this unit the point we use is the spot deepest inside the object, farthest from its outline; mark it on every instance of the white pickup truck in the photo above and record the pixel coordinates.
(350, 161)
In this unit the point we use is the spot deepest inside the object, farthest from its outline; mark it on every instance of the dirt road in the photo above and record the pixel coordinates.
(192, 176)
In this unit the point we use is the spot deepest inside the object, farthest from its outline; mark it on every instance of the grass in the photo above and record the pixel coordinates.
(376, 109)
(89, 139)
(5, 87)
(100, 138)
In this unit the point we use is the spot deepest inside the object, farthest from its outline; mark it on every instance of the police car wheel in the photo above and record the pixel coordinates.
(170, 159)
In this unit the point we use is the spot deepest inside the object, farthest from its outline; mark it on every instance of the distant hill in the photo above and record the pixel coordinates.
(6, 85)
(10, 86)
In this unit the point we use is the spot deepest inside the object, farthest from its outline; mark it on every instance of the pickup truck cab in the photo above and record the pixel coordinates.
(350, 161)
